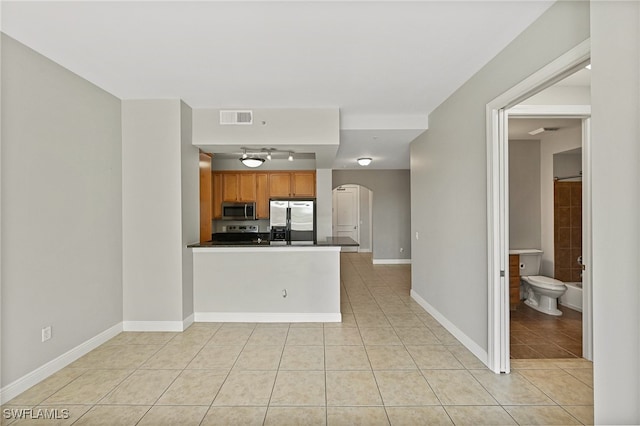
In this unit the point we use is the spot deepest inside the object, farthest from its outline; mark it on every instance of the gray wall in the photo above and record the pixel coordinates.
(524, 194)
(152, 211)
(615, 86)
(449, 174)
(365, 237)
(61, 210)
(391, 208)
(190, 194)
(324, 212)
(561, 95)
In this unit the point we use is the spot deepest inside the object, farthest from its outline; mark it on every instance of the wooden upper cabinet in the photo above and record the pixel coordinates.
(205, 197)
(303, 184)
(238, 186)
(247, 187)
(229, 187)
(279, 184)
(217, 194)
(260, 187)
(262, 196)
(292, 184)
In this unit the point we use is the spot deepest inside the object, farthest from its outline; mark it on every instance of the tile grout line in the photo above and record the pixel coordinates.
(275, 379)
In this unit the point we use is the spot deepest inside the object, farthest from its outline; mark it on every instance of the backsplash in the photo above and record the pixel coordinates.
(567, 230)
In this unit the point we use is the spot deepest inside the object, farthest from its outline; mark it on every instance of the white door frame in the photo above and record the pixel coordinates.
(357, 208)
(497, 196)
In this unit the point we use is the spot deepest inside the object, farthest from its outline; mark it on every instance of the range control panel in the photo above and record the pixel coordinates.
(242, 228)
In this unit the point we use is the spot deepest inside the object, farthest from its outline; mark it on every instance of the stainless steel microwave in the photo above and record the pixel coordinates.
(239, 211)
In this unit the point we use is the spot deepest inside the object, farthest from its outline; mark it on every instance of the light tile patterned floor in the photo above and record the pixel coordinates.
(388, 362)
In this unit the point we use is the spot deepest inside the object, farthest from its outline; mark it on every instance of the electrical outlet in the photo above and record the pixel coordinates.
(401, 250)
(417, 235)
(46, 333)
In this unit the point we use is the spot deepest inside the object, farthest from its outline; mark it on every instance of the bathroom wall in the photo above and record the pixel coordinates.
(552, 143)
(524, 194)
(568, 163)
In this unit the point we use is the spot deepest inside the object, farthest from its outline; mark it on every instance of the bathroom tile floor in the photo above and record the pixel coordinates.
(388, 362)
(536, 335)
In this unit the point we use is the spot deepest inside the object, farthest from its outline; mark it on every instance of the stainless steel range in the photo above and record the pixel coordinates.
(240, 234)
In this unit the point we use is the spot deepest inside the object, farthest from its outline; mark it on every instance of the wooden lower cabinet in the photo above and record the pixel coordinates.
(514, 281)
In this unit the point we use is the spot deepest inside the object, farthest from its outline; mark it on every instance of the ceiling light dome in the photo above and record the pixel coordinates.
(365, 161)
(252, 161)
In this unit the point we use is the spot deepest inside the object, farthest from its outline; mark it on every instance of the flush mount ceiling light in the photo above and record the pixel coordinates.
(365, 161)
(252, 161)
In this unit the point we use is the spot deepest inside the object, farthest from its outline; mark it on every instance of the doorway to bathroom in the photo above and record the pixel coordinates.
(516, 102)
(545, 216)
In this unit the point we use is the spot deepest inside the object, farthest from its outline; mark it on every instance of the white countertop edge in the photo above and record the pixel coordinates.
(263, 249)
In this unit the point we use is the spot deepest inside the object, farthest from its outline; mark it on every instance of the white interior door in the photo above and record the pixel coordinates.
(346, 214)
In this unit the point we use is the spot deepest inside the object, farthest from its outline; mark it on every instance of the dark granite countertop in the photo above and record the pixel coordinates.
(328, 242)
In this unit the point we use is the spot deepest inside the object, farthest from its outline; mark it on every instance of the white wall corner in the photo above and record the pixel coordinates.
(186, 323)
(36, 376)
(480, 353)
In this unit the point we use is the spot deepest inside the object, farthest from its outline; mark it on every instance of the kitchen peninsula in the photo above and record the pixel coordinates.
(265, 282)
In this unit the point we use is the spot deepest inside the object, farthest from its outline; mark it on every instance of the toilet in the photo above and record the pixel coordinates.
(541, 293)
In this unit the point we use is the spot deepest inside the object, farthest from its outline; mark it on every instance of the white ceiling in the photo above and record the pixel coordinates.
(386, 65)
(519, 128)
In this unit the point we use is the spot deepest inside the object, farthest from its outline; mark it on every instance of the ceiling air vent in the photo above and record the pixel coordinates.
(543, 129)
(236, 117)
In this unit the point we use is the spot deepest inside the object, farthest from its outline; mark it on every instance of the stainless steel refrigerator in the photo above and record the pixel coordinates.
(292, 221)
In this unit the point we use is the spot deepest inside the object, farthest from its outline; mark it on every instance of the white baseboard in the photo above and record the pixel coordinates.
(266, 317)
(39, 374)
(480, 353)
(391, 261)
(153, 325)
